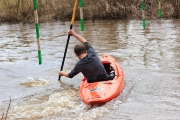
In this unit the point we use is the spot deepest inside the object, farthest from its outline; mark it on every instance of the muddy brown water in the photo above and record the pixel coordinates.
(150, 59)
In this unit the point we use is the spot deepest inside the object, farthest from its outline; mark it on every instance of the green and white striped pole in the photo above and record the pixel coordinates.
(159, 9)
(143, 15)
(81, 15)
(37, 30)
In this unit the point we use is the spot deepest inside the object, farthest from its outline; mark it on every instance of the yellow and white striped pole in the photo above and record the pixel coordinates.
(37, 30)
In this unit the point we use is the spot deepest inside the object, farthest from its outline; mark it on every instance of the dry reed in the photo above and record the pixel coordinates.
(5, 115)
(22, 10)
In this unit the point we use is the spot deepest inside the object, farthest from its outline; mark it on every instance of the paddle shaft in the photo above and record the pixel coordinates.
(65, 52)
(72, 22)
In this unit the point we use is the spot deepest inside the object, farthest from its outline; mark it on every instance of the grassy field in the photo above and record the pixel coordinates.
(22, 10)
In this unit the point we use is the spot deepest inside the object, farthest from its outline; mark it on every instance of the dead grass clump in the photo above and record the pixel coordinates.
(22, 10)
(16, 10)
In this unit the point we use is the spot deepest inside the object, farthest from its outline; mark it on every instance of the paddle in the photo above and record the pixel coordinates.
(72, 22)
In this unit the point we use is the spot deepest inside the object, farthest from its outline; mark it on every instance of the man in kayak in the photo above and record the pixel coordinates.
(89, 63)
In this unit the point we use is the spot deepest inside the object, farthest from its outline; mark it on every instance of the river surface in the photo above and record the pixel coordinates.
(150, 59)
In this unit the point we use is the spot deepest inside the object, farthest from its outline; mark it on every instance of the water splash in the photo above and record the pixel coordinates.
(63, 103)
(34, 82)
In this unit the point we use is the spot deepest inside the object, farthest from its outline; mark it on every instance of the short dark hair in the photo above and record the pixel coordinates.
(79, 49)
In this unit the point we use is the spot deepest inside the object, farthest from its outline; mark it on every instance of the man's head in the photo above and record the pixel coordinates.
(79, 49)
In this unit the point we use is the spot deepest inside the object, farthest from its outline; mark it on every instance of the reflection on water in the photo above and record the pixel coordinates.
(150, 59)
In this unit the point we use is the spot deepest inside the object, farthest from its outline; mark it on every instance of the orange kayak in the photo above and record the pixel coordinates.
(103, 91)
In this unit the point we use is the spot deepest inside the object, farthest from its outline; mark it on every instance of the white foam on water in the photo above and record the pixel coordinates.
(65, 104)
(56, 104)
(34, 82)
(99, 111)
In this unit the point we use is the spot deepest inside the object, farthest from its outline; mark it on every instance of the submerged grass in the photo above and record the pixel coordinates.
(22, 10)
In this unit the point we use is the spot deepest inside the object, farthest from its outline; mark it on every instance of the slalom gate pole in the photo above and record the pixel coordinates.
(37, 30)
(159, 9)
(143, 14)
(81, 15)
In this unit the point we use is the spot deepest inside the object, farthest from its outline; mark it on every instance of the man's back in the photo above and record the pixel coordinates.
(90, 66)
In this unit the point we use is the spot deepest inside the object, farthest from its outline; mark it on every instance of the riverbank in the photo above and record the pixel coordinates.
(22, 11)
